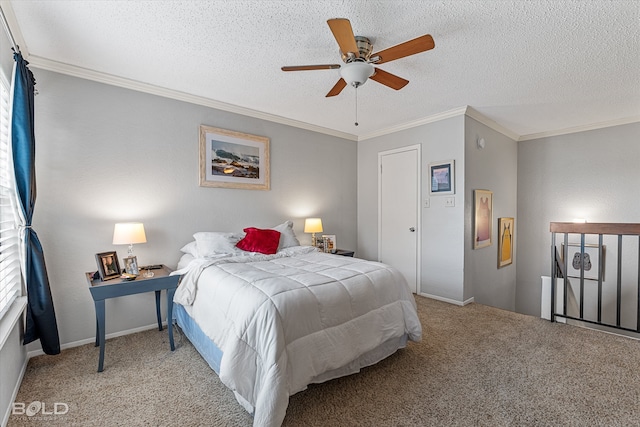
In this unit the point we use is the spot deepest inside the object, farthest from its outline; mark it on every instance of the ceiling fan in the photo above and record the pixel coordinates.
(359, 61)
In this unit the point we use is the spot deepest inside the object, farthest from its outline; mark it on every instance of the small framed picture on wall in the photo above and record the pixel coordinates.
(483, 221)
(442, 178)
(505, 241)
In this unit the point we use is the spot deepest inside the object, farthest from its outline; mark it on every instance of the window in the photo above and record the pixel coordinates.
(10, 282)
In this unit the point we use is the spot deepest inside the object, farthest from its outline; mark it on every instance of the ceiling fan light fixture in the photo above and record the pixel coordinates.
(356, 73)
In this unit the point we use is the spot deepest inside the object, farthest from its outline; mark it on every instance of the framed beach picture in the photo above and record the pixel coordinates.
(505, 241)
(442, 178)
(482, 224)
(231, 159)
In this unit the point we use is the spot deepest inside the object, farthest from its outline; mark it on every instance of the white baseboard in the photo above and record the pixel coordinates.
(23, 370)
(447, 300)
(93, 340)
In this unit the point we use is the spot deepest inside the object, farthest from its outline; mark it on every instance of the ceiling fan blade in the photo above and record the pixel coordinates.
(342, 31)
(411, 47)
(311, 67)
(388, 79)
(335, 90)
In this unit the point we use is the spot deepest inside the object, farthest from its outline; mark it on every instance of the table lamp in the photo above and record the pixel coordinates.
(130, 233)
(313, 226)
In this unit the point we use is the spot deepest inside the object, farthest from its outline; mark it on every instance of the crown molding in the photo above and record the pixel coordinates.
(478, 116)
(84, 73)
(415, 123)
(582, 128)
(14, 28)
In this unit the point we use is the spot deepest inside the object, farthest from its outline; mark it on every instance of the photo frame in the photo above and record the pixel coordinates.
(131, 265)
(505, 241)
(329, 242)
(231, 159)
(589, 258)
(108, 265)
(483, 218)
(442, 178)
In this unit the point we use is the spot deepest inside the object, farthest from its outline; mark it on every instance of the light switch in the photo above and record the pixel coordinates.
(450, 202)
(427, 203)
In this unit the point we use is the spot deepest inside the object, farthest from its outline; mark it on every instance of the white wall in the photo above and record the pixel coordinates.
(442, 234)
(107, 154)
(492, 168)
(593, 175)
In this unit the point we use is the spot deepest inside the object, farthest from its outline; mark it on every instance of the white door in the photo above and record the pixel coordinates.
(398, 205)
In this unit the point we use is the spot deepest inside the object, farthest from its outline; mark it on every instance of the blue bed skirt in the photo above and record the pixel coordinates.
(209, 351)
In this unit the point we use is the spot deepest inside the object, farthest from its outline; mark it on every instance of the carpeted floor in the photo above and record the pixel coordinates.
(476, 366)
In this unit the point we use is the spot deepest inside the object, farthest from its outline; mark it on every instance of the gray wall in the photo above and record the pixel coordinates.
(593, 175)
(442, 234)
(493, 168)
(107, 154)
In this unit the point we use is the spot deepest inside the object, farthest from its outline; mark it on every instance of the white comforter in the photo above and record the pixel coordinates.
(281, 320)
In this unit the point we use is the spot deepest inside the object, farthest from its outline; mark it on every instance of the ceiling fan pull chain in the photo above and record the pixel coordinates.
(356, 105)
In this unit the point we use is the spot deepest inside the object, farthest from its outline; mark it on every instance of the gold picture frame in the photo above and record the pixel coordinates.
(230, 159)
(483, 218)
(505, 241)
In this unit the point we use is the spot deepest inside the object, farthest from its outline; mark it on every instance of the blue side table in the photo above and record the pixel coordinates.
(102, 290)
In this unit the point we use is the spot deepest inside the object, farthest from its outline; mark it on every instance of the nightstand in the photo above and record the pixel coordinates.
(102, 290)
(343, 252)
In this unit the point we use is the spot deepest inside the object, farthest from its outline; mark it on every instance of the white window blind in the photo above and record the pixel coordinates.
(10, 282)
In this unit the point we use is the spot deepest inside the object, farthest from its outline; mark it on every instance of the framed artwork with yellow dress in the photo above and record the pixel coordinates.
(505, 241)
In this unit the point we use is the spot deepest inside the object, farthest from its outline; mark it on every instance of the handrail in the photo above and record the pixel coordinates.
(595, 228)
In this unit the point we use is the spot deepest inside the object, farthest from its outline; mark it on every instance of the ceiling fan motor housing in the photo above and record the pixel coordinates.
(365, 47)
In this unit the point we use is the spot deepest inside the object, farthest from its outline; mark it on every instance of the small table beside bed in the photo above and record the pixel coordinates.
(270, 324)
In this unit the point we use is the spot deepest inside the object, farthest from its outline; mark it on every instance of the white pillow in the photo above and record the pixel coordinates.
(287, 236)
(190, 248)
(210, 243)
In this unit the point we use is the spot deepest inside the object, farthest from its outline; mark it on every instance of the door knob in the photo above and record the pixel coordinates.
(412, 229)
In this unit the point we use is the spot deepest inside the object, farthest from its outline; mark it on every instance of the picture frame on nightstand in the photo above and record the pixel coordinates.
(108, 265)
(329, 242)
(131, 265)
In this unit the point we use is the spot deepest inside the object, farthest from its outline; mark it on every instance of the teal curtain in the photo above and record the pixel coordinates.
(41, 316)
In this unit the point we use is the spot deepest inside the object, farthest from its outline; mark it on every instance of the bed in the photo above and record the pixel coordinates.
(271, 323)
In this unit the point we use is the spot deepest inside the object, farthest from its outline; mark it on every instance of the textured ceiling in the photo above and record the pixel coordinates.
(533, 67)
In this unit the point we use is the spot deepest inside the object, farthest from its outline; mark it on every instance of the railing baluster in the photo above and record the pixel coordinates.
(638, 305)
(582, 257)
(554, 275)
(619, 286)
(600, 269)
(566, 270)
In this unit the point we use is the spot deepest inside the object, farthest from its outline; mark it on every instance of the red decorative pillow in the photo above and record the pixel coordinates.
(259, 240)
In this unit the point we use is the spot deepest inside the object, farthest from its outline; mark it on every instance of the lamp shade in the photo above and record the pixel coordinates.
(313, 225)
(127, 233)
